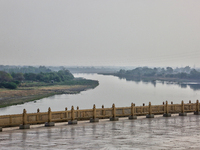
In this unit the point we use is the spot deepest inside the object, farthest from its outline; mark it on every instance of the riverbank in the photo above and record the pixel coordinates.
(151, 78)
(25, 94)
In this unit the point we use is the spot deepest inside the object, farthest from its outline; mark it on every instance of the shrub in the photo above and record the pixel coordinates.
(9, 85)
(16, 82)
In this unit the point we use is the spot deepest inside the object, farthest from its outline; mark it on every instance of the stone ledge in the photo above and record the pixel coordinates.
(70, 122)
(114, 119)
(49, 124)
(183, 114)
(132, 117)
(150, 116)
(94, 120)
(26, 126)
(167, 115)
(197, 113)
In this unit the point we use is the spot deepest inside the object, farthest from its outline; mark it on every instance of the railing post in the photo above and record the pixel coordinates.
(66, 113)
(37, 117)
(49, 123)
(94, 111)
(72, 121)
(103, 111)
(132, 116)
(166, 114)
(182, 113)
(24, 117)
(78, 113)
(142, 109)
(114, 118)
(94, 119)
(24, 124)
(172, 108)
(197, 108)
(189, 104)
(150, 115)
(49, 114)
(182, 107)
(113, 110)
(164, 106)
(167, 111)
(72, 113)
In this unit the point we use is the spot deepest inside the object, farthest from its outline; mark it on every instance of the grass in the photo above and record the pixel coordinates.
(27, 93)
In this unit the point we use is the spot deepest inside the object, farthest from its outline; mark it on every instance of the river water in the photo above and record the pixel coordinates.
(112, 90)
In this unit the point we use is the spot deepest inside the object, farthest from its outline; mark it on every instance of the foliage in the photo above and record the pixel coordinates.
(60, 76)
(5, 77)
(30, 76)
(18, 76)
(11, 81)
(142, 72)
(8, 85)
(24, 69)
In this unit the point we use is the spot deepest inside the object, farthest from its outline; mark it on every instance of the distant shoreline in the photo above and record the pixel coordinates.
(133, 78)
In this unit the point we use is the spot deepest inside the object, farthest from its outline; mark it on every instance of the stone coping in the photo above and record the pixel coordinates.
(80, 123)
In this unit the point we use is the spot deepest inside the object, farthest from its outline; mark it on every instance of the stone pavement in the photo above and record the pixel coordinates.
(144, 133)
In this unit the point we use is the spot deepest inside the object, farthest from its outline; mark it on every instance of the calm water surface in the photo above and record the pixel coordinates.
(111, 90)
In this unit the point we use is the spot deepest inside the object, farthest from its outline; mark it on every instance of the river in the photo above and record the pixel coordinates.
(111, 90)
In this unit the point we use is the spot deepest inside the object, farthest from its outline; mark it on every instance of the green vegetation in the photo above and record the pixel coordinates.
(18, 87)
(168, 73)
(60, 76)
(45, 78)
(24, 69)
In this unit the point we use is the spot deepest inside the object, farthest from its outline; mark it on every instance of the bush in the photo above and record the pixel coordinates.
(16, 82)
(8, 85)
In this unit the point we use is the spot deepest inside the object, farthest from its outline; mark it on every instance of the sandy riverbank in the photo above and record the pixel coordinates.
(24, 94)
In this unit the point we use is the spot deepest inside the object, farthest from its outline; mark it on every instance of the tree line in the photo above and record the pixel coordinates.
(24, 69)
(168, 72)
(12, 80)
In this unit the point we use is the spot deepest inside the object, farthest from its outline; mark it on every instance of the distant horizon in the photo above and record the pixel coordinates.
(73, 66)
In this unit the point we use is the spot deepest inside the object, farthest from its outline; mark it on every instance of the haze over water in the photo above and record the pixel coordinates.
(111, 90)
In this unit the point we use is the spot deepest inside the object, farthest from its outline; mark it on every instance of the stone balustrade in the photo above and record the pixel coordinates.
(25, 119)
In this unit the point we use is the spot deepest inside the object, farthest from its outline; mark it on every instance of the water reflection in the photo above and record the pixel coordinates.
(183, 85)
(194, 86)
(94, 129)
(111, 90)
(153, 82)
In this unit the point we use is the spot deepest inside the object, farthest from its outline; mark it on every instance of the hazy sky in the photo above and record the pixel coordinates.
(100, 32)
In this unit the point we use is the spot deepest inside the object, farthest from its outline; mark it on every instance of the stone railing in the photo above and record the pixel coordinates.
(25, 119)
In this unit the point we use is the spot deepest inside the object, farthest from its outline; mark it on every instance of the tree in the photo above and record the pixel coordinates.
(5, 77)
(187, 69)
(9, 85)
(30, 76)
(169, 70)
(18, 76)
(194, 74)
